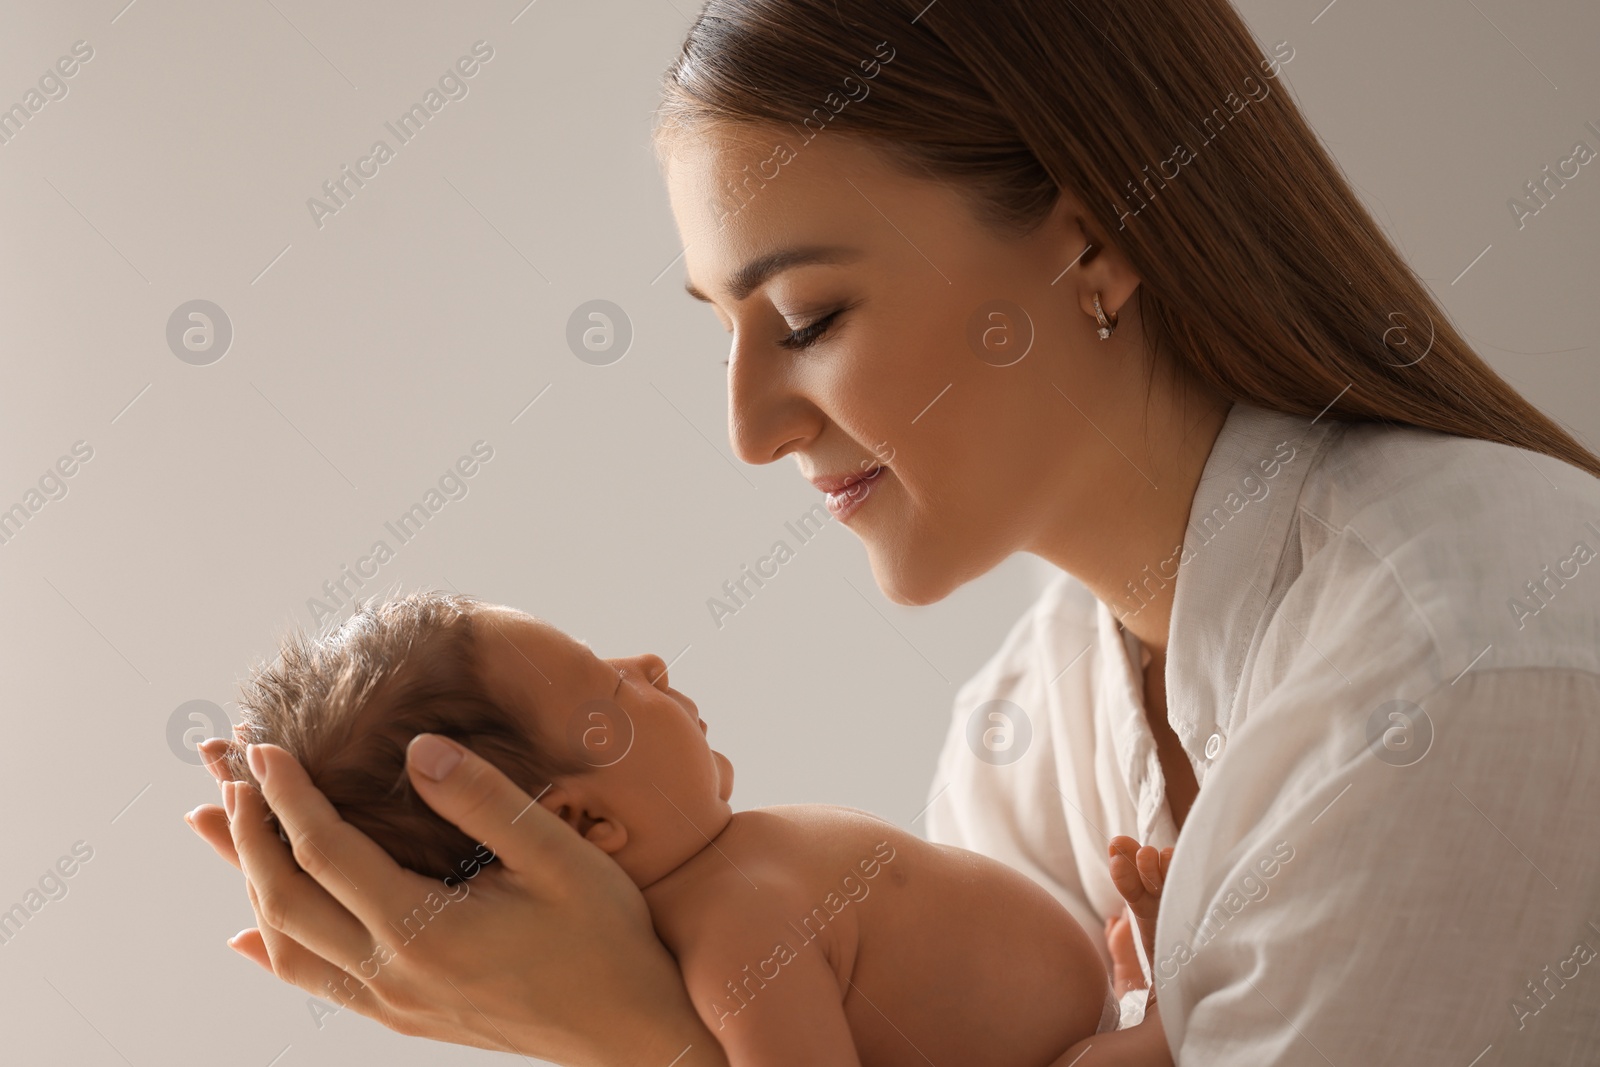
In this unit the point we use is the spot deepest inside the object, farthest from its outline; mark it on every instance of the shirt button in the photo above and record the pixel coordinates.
(1214, 745)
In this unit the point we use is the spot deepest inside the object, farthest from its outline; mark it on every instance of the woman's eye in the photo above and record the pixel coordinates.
(806, 336)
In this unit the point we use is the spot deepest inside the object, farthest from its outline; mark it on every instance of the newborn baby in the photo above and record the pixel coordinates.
(806, 934)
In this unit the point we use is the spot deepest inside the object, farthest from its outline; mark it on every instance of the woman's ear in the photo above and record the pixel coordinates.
(1093, 263)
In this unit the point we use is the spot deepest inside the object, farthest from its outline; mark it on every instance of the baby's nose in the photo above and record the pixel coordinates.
(653, 667)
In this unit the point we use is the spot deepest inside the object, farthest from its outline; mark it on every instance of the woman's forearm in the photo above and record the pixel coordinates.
(679, 1041)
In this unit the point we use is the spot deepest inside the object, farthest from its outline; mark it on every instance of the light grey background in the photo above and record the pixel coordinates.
(368, 354)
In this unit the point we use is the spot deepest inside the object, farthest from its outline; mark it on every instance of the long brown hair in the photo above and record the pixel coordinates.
(1262, 274)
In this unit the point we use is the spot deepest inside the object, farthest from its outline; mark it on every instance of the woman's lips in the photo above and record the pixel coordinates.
(843, 501)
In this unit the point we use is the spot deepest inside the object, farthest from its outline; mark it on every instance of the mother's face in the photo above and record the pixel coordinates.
(887, 354)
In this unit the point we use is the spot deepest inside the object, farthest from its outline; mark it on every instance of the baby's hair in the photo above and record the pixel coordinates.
(347, 704)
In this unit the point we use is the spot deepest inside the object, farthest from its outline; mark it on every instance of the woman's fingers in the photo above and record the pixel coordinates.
(346, 863)
(287, 959)
(514, 957)
(212, 753)
(483, 803)
(248, 944)
(292, 963)
(283, 957)
(211, 823)
(286, 899)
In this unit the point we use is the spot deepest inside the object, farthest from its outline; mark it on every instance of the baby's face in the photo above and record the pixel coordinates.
(657, 792)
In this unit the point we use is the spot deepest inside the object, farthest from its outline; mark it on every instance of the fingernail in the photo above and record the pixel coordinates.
(434, 756)
(258, 762)
(227, 798)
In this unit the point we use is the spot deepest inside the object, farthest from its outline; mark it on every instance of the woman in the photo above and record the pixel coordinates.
(1078, 280)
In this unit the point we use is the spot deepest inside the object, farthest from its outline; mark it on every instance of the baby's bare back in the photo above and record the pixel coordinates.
(941, 955)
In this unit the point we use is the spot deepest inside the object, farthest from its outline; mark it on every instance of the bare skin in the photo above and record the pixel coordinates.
(895, 972)
(1070, 455)
(1181, 785)
(805, 933)
(1140, 874)
(1084, 452)
(323, 916)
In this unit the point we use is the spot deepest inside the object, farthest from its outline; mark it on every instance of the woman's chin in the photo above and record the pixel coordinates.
(905, 583)
(932, 570)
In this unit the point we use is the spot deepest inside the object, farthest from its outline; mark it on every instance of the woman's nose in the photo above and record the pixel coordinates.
(767, 416)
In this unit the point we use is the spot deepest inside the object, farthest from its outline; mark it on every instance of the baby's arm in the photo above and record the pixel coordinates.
(769, 998)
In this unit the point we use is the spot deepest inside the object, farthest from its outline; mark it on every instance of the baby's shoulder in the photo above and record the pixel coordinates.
(788, 854)
(813, 849)
(775, 867)
(804, 835)
(751, 877)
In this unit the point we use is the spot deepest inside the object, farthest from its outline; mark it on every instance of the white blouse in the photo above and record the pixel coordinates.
(1384, 666)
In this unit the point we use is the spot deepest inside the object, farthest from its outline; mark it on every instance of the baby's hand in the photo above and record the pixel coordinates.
(1139, 873)
(1126, 973)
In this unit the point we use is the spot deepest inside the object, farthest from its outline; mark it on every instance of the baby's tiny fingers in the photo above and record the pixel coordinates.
(1149, 863)
(1123, 870)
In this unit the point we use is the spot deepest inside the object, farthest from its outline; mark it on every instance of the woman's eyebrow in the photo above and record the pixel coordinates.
(750, 277)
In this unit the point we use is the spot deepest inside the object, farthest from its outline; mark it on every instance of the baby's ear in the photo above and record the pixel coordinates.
(571, 808)
(606, 835)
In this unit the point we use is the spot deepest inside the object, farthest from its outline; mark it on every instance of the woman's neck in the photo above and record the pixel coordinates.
(1129, 557)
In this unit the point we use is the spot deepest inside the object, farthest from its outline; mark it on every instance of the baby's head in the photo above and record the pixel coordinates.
(607, 745)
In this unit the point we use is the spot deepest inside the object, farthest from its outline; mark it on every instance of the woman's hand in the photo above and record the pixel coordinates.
(549, 953)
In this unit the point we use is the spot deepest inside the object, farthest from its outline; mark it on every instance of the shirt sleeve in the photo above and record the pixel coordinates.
(1357, 904)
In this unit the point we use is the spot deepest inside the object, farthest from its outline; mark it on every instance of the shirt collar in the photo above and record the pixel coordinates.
(1240, 525)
